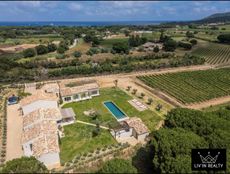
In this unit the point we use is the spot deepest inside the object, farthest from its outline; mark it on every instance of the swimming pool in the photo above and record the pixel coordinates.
(115, 110)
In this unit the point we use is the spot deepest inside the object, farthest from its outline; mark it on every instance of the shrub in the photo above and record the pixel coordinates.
(118, 166)
(121, 47)
(24, 165)
(193, 41)
(224, 38)
(150, 100)
(60, 56)
(185, 45)
(61, 50)
(170, 45)
(41, 49)
(77, 54)
(51, 47)
(156, 49)
(30, 52)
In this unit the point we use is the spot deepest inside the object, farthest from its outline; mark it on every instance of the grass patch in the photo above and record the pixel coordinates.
(152, 36)
(109, 42)
(216, 107)
(78, 139)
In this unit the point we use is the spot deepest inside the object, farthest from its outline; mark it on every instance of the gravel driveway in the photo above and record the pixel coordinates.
(14, 132)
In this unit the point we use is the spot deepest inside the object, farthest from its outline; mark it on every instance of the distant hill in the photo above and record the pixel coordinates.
(215, 18)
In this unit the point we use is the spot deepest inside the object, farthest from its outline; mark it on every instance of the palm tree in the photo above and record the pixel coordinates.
(115, 82)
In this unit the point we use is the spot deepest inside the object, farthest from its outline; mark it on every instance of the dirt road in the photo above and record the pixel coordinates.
(14, 132)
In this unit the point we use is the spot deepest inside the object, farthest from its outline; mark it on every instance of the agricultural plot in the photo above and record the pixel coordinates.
(108, 43)
(214, 53)
(192, 87)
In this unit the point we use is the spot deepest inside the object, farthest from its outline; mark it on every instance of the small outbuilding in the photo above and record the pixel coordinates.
(130, 127)
(68, 116)
(140, 130)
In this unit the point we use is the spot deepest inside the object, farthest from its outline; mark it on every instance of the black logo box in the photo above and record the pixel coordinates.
(208, 159)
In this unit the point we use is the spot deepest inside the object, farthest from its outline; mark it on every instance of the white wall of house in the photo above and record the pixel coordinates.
(122, 133)
(50, 159)
(27, 149)
(79, 97)
(142, 136)
(39, 104)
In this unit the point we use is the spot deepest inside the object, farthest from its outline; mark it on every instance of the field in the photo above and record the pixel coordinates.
(192, 87)
(152, 36)
(109, 42)
(214, 53)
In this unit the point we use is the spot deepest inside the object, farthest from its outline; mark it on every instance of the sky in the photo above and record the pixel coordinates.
(109, 10)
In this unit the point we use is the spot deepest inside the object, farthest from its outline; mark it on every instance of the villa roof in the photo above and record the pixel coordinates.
(41, 114)
(137, 124)
(47, 143)
(67, 91)
(39, 129)
(38, 95)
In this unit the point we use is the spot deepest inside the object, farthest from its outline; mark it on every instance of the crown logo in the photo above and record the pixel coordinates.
(208, 158)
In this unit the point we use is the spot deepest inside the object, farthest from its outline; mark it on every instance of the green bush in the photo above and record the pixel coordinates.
(60, 56)
(41, 49)
(30, 52)
(24, 165)
(118, 166)
(77, 54)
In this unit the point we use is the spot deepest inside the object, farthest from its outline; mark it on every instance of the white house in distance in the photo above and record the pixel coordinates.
(149, 46)
(77, 91)
(131, 127)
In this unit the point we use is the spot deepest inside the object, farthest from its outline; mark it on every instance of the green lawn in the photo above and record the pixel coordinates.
(78, 139)
(120, 98)
(152, 36)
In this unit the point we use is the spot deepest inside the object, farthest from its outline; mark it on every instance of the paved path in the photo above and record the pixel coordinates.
(103, 127)
(14, 132)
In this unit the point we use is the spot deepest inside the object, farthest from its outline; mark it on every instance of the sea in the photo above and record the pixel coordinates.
(98, 23)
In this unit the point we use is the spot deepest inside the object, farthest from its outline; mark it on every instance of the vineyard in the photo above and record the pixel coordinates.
(192, 87)
(214, 53)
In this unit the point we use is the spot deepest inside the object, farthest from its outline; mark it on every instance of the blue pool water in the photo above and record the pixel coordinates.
(115, 110)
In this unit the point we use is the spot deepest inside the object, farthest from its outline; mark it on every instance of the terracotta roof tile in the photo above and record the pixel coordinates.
(38, 95)
(137, 124)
